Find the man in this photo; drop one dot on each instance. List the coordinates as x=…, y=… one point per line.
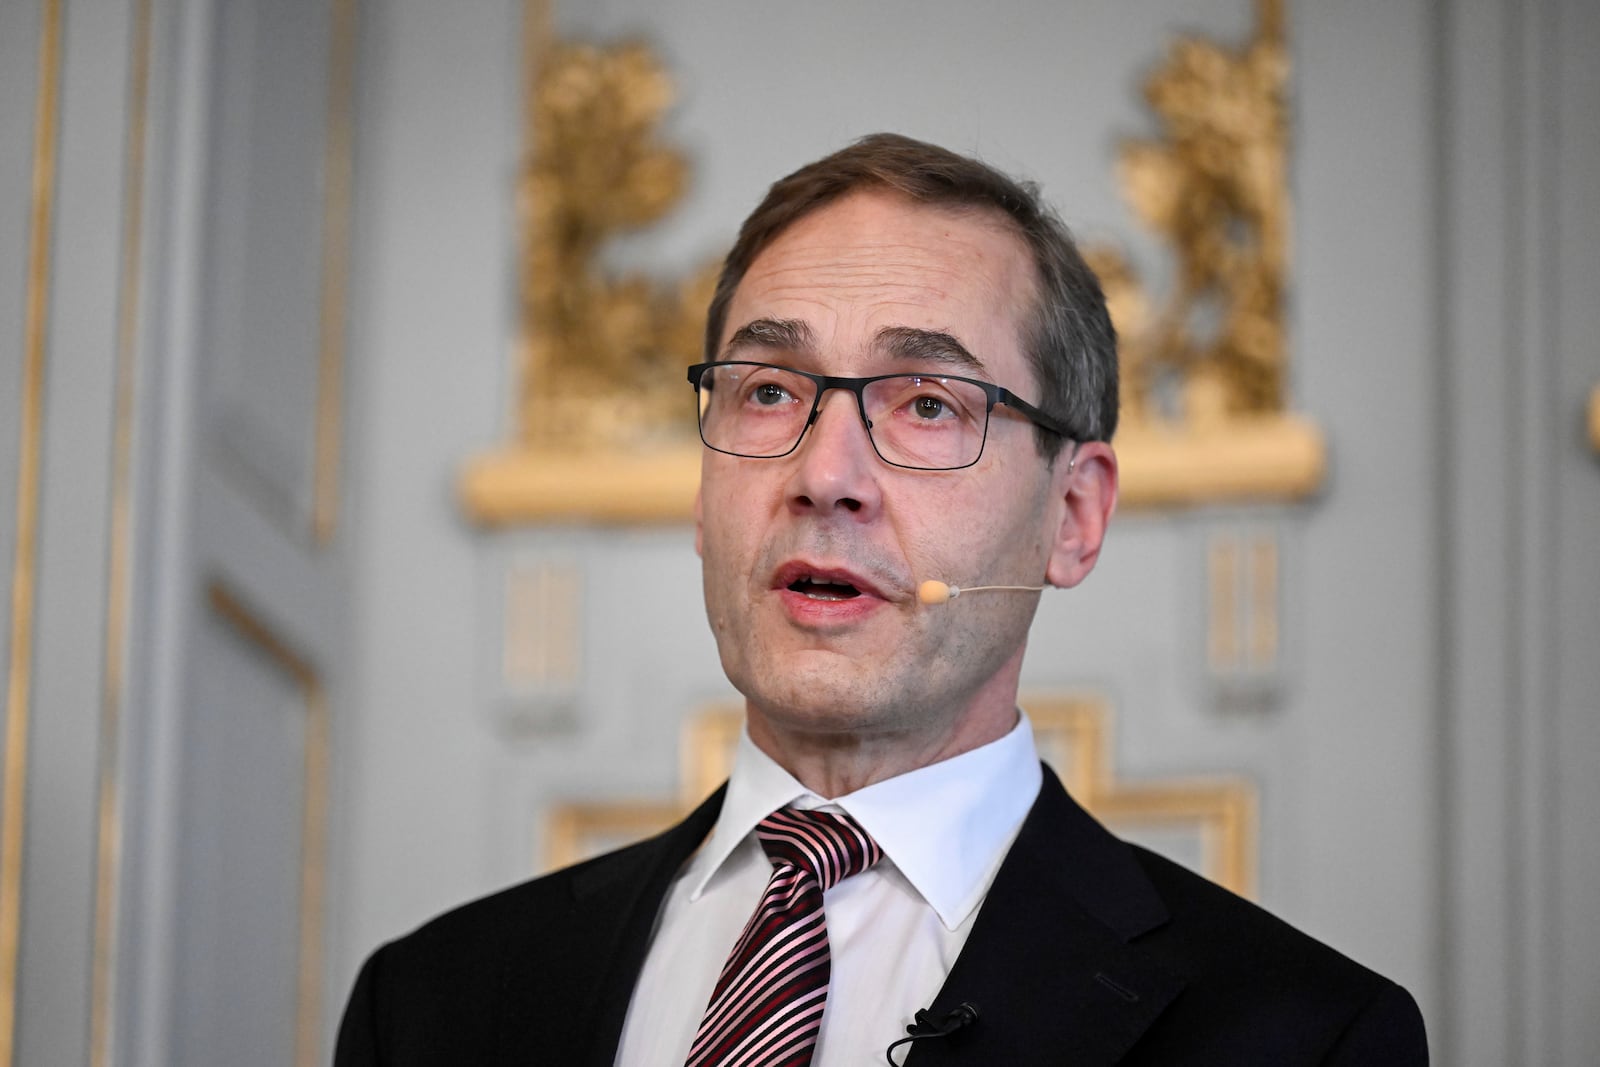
x=909, y=392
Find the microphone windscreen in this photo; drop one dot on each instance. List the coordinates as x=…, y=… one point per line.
x=933, y=591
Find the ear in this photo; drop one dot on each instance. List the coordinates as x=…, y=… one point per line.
x=699, y=532
x=1087, y=488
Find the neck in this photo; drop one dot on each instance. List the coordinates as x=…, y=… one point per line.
x=836, y=763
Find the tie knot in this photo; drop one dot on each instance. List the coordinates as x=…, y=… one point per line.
x=831, y=847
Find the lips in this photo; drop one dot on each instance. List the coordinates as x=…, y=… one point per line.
x=823, y=583
x=823, y=590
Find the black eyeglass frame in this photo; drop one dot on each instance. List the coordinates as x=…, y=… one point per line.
x=996, y=394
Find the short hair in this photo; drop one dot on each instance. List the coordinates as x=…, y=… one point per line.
x=1068, y=337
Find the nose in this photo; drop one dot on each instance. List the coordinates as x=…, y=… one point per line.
x=836, y=469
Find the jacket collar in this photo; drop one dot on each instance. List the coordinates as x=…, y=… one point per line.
x=1051, y=964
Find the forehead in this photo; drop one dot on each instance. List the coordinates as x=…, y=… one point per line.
x=875, y=260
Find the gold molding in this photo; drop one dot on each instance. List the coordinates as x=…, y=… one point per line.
x=1073, y=734
x=517, y=485
x=13, y=824
x=108, y=847
x=314, y=817
x=1265, y=458
x=573, y=829
x=1594, y=418
x=705, y=750
x=1225, y=811
x=337, y=165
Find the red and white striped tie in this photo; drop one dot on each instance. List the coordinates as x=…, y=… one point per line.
x=767, y=1005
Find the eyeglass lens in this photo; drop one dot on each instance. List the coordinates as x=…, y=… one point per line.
x=914, y=420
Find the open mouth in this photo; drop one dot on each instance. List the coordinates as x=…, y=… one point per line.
x=820, y=589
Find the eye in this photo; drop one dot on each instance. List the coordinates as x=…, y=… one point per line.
x=768, y=394
x=929, y=400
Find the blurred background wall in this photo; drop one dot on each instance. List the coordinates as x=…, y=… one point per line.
x=258, y=308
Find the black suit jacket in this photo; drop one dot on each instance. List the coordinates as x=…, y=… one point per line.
x=1087, y=951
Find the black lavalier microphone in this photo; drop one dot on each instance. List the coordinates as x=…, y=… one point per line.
x=923, y=1025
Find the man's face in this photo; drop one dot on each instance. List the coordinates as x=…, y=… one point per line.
x=812, y=560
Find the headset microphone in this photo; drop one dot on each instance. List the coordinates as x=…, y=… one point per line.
x=933, y=591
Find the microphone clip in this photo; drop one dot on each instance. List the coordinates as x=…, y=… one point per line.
x=923, y=1025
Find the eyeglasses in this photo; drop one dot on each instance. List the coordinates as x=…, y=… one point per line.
x=921, y=421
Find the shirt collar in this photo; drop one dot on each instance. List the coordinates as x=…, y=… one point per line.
x=946, y=826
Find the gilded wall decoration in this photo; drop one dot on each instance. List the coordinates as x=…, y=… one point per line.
x=604, y=354
x=604, y=428
x=1205, y=364
x=1213, y=189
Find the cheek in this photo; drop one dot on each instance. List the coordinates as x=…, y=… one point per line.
x=728, y=539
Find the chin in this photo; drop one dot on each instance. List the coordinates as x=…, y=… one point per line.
x=827, y=699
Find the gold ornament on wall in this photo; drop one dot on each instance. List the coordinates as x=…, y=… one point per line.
x=1213, y=189
x=604, y=426
x=1205, y=365
x=604, y=354
x=604, y=420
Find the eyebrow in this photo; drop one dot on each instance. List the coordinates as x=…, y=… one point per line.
x=899, y=342
x=928, y=346
x=787, y=335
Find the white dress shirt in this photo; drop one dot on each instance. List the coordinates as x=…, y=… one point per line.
x=895, y=930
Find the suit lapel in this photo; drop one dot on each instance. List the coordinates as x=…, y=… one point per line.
x=1050, y=963
x=616, y=898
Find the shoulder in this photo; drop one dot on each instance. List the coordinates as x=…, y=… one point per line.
x=1247, y=971
x=420, y=996
x=531, y=957
x=481, y=929
x=551, y=915
x=564, y=909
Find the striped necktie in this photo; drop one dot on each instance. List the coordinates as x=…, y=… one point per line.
x=767, y=1005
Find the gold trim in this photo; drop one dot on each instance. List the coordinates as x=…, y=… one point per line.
x=1594, y=418
x=1267, y=458
x=1263, y=458
x=1225, y=810
x=518, y=486
x=23, y=571
x=337, y=155
x=108, y=857
x=1263, y=603
x=1070, y=733
x=1223, y=574
x=573, y=830
x=313, y=830
x=705, y=751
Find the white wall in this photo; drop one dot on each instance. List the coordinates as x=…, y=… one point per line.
x=1424, y=763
